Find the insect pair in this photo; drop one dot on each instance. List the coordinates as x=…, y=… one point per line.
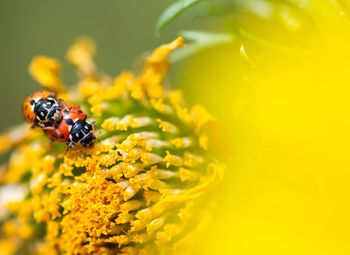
x=61, y=122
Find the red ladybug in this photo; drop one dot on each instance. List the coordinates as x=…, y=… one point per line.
x=72, y=128
x=41, y=109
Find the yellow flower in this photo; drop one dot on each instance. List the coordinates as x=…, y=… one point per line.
x=143, y=188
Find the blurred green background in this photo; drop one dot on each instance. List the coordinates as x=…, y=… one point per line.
x=123, y=31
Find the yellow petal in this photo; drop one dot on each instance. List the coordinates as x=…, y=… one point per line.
x=81, y=54
x=46, y=71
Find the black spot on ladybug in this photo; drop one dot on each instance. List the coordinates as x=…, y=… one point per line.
x=32, y=102
x=69, y=121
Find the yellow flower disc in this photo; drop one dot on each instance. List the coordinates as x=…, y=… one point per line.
x=142, y=189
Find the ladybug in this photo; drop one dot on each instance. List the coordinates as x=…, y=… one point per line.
x=41, y=109
x=72, y=128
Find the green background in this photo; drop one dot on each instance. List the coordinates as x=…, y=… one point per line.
x=123, y=31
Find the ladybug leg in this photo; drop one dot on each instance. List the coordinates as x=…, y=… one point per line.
x=70, y=145
x=92, y=123
x=47, y=128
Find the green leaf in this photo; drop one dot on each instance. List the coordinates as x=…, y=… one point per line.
x=173, y=11
x=205, y=37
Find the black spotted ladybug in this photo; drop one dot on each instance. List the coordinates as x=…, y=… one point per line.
x=73, y=128
x=41, y=109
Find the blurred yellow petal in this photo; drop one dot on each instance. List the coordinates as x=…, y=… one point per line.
x=81, y=55
x=46, y=71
